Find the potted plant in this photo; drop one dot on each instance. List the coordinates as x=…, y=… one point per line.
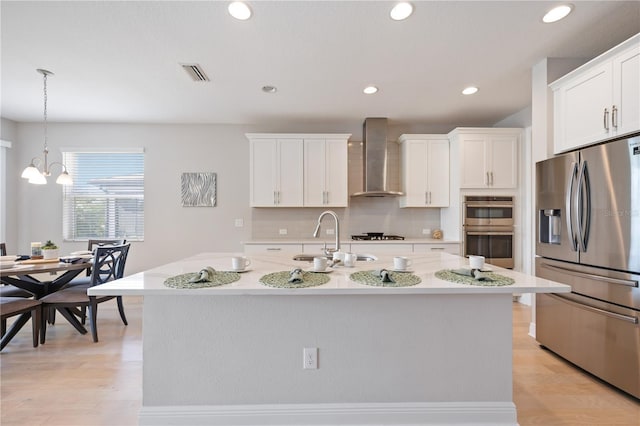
x=50, y=250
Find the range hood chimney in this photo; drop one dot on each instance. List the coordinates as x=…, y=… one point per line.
x=374, y=155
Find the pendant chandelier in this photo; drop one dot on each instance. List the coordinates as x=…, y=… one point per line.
x=33, y=172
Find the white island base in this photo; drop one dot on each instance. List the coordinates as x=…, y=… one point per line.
x=436, y=353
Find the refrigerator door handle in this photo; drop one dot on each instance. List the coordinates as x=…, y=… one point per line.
x=583, y=201
x=633, y=320
x=579, y=274
x=569, y=207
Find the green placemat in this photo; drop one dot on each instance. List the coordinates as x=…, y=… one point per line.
x=219, y=278
x=496, y=279
x=402, y=279
x=281, y=279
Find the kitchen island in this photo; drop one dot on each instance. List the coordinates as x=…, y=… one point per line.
x=434, y=353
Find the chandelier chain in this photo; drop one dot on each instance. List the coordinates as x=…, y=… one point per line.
x=45, y=112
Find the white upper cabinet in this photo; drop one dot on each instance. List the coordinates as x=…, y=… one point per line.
x=276, y=172
x=599, y=100
x=424, y=170
x=488, y=157
x=298, y=170
x=325, y=172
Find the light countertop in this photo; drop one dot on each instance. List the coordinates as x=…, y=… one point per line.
x=424, y=266
x=330, y=241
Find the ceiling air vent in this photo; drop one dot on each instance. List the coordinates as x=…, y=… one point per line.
x=196, y=73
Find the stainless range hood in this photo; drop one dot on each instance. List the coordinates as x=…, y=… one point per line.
x=374, y=155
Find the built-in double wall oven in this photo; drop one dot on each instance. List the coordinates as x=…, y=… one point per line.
x=488, y=228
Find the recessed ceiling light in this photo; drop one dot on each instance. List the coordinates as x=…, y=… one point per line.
x=557, y=13
x=269, y=89
x=370, y=90
x=470, y=90
x=239, y=10
x=401, y=11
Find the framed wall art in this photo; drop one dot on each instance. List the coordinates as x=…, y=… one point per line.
x=198, y=189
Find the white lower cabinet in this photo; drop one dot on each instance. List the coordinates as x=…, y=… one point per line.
x=452, y=248
x=273, y=248
x=381, y=248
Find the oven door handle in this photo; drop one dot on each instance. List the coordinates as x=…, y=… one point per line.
x=488, y=206
x=488, y=233
x=632, y=320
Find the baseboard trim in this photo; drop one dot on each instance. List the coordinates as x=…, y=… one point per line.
x=370, y=414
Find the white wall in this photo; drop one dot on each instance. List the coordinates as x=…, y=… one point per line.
x=9, y=169
x=34, y=213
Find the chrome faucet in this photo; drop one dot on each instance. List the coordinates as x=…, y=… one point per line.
x=316, y=233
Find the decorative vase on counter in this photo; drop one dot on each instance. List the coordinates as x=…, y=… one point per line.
x=49, y=250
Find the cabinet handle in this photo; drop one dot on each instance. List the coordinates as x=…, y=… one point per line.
x=487, y=178
x=327, y=192
x=436, y=248
x=430, y=197
x=426, y=197
x=273, y=249
x=275, y=201
x=614, y=117
x=491, y=178
x=606, y=119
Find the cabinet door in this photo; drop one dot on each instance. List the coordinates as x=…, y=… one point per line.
x=504, y=162
x=474, y=162
x=263, y=171
x=438, y=173
x=437, y=247
x=579, y=108
x=272, y=248
x=314, y=172
x=626, y=91
x=290, y=173
x=414, y=173
x=336, y=173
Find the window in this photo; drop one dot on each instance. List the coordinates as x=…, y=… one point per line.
x=106, y=199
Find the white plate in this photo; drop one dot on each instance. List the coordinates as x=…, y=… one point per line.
x=326, y=271
x=6, y=264
x=80, y=253
x=8, y=258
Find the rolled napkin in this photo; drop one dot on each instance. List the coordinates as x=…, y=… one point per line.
x=204, y=275
x=384, y=274
x=474, y=273
x=295, y=276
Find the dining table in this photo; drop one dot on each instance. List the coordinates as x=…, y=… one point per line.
x=52, y=276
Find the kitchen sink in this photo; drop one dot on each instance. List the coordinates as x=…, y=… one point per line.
x=305, y=257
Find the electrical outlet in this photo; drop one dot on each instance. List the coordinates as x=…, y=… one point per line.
x=426, y=231
x=330, y=232
x=239, y=223
x=310, y=358
x=283, y=231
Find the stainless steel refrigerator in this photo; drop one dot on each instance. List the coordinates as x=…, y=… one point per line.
x=588, y=236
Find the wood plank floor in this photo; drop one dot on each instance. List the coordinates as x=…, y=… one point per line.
x=72, y=381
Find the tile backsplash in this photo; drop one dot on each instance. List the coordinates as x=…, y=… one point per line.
x=363, y=214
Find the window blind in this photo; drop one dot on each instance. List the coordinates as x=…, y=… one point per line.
x=106, y=199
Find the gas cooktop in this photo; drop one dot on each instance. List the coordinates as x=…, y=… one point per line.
x=376, y=236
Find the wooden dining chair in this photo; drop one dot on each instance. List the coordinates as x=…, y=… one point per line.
x=108, y=264
x=12, y=306
x=85, y=280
